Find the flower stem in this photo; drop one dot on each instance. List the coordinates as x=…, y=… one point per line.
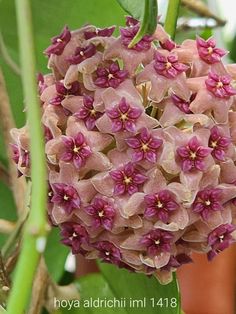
x=154, y=112
x=171, y=17
x=7, y=123
x=34, y=234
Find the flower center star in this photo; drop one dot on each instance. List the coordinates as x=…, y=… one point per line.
x=127, y=180
x=159, y=204
x=76, y=149
x=214, y=144
x=144, y=147
x=66, y=197
x=208, y=201
x=93, y=112
x=210, y=50
x=219, y=84
x=157, y=242
x=123, y=117
x=221, y=237
x=101, y=213
x=74, y=235
x=168, y=65
x=193, y=155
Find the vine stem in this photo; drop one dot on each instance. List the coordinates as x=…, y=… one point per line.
x=6, y=56
x=171, y=17
x=34, y=235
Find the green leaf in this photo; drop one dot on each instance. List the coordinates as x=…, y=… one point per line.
x=8, y=208
x=145, y=12
x=55, y=255
x=93, y=287
x=127, y=293
x=140, y=287
x=133, y=7
x=3, y=157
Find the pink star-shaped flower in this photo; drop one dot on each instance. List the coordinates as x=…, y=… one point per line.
x=201, y=55
x=165, y=72
x=59, y=63
x=186, y=151
x=127, y=179
x=219, y=239
x=220, y=143
x=75, y=236
x=100, y=32
x=123, y=115
x=142, y=52
x=102, y=213
x=145, y=146
x=215, y=97
x=59, y=42
x=79, y=146
x=192, y=155
x=68, y=193
x=208, y=51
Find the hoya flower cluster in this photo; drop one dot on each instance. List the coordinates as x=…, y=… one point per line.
x=139, y=145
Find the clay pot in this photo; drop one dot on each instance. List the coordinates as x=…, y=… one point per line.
x=209, y=287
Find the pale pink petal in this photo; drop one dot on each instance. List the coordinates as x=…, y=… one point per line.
x=210, y=178
x=117, y=157
x=54, y=148
x=135, y=205
x=86, y=190
x=94, y=139
x=73, y=104
x=164, y=277
x=103, y=183
x=171, y=115
x=130, y=57
x=132, y=243
x=131, y=257
x=97, y=161
x=182, y=192
x=191, y=180
x=155, y=183
x=228, y=171
x=167, y=159
x=59, y=215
